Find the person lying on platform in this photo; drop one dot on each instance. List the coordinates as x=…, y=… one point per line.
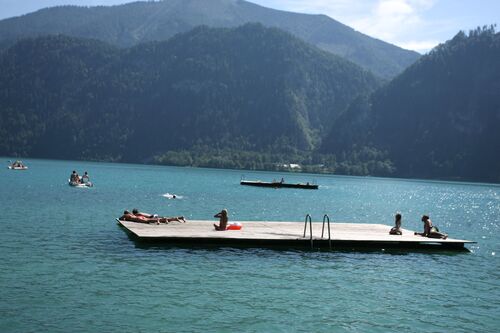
x=430, y=230
x=222, y=215
x=136, y=212
x=148, y=218
x=396, y=230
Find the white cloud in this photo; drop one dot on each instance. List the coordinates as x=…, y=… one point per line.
x=395, y=21
x=400, y=22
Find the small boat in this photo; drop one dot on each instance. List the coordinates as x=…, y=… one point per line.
x=17, y=165
x=22, y=167
x=281, y=184
x=78, y=184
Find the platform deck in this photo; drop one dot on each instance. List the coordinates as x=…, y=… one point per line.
x=288, y=234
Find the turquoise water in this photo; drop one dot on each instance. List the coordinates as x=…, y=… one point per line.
x=67, y=267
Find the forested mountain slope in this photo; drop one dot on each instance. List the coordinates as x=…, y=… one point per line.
x=438, y=119
x=249, y=89
x=138, y=22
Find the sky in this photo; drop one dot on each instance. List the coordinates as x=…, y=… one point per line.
x=412, y=24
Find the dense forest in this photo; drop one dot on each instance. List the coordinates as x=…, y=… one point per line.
x=251, y=97
x=438, y=119
x=138, y=22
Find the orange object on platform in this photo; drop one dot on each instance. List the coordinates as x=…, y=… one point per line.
x=234, y=227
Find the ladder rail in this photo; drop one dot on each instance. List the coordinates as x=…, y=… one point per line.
x=326, y=219
x=308, y=219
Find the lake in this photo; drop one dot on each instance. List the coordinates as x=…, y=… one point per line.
x=67, y=266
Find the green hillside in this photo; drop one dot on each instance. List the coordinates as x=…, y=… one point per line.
x=138, y=22
x=251, y=88
x=438, y=119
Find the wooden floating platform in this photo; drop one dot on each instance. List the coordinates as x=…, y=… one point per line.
x=259, y=183
x=286, y=235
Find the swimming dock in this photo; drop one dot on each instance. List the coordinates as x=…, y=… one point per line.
x=287, y=235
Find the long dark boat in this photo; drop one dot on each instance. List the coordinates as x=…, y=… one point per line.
x=279, y=184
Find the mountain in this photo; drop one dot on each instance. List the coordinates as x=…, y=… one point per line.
x=249, y=88
x=439, y=119
x=134, y=23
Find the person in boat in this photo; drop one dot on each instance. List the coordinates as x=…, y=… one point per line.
x=396, y=230
x=74, y=178
x=136, y=212
x=85, y=178
x=222, y=215
x=430, y=230
x=18, y=164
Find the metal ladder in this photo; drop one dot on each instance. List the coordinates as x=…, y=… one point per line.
x=326, y=219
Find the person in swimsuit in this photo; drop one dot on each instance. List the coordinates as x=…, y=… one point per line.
x=141, y=217
x=128, y=216
x=222, y=215
x=430, y=230
x=396, y=230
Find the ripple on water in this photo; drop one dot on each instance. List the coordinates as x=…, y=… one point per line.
x=66, y=266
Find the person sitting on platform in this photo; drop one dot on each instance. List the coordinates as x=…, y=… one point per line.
x=430, y=230
x=222, y=215
x=396, y=230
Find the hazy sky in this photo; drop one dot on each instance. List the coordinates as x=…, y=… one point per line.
x=413, y=24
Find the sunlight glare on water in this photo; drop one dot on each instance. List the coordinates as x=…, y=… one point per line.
x=67, y=267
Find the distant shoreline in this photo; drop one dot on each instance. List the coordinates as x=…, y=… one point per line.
x=296, y=172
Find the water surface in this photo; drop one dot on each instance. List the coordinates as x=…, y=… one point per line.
x=67, y=267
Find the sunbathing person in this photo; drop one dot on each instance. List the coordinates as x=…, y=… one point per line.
x=222, y=215
x=136, y=212
x=140, y=217
x=430, y=230
x=128, y=216
x=396, y=230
